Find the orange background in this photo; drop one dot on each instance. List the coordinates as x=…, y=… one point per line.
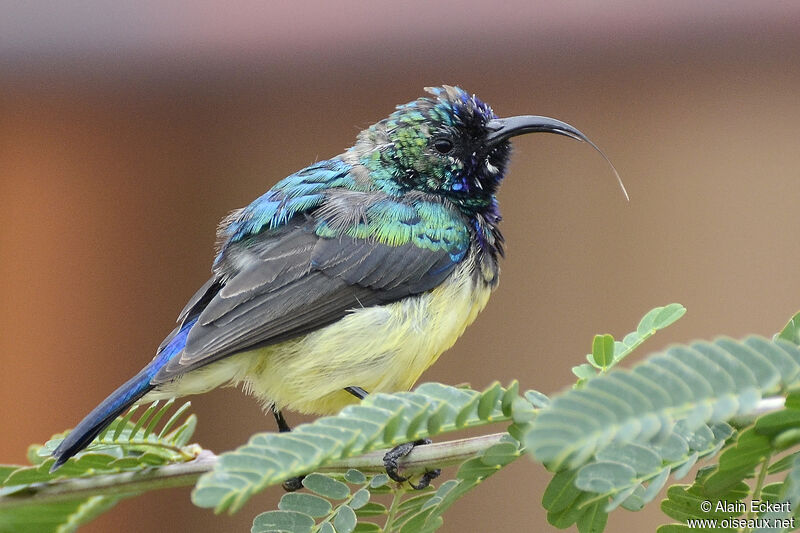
x=126, y=135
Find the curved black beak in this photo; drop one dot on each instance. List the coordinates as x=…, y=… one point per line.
x=502, y=129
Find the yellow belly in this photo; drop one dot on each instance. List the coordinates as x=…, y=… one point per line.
x=380, y=349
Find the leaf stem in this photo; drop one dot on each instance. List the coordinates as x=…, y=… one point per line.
x=762, y=476
x=421, y=457
x=143, y=443
x=397, y=495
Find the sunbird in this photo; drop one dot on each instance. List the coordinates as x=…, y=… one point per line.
x=350, y=276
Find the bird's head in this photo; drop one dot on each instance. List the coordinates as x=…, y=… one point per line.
x=449, y=144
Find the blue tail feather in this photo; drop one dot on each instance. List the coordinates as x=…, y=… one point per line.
x=118, y=401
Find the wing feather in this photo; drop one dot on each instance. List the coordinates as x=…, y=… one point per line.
x=295, y=281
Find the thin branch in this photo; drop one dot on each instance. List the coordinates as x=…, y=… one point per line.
x=117, y=485
x=186, y=474
x=434, y=455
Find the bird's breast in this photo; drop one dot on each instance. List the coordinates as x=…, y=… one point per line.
x=380, y=349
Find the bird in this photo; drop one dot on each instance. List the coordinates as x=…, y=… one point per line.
x=348, y=277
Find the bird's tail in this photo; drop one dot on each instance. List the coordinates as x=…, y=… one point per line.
x=118, y=401
x=101, y=416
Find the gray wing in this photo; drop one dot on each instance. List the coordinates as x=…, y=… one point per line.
x=293, y=282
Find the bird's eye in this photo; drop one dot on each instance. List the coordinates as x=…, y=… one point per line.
x=443, y=145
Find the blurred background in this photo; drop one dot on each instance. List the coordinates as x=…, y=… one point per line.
x=128, y=130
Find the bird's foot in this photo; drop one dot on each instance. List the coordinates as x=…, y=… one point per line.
x=293, y=484
x=397, y=453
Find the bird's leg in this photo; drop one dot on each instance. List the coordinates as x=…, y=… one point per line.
x=358, y=392
x=295, y=483
x=283, y=427
x=398, y=452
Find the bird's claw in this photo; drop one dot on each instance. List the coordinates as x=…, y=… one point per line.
x=426, y=479
x=391, y=458
x=397, y=453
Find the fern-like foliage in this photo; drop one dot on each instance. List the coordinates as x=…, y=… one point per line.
x=379, y=421
x=618, y=438
x=607, y=352
x=333, y=507
x=751, y=456
x=62, y=517
x=128, y=444
x=699, y=383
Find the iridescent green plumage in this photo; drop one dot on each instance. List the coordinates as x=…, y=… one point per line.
x=410, y=191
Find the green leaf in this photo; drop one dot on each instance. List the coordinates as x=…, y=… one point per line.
x=414, y=503
x=783, y=427
x=656, y=319
x=773, y=424
x=120, y=424
x=791, y=491
x=142, y=420
x=500, y=454
x=345, y=520
x=151, y=425
x=783, y=464
x=174, y=419
x=687, y=465
x=791, y=331
x=416, y=522
x=593, y=519
x=488, y=402
x=367, y=527
x=584, y=371
x=660, y=318
x=326, y=486
x=602, y=351
x=305, y=503
x=378, y=481
x=571, y=514
x=640, y=459
x=372, y=509
x=522, y=411
x=561, y=492
x=655, y=485
x=282, y=521
x=55, y=517
x=604, y=477
x=6, y=470
x=355, y=477
x=672, y=448
x=360, y=499
x=537, y=399
x=511, y=393
x=632, y=500
x=793, y=400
